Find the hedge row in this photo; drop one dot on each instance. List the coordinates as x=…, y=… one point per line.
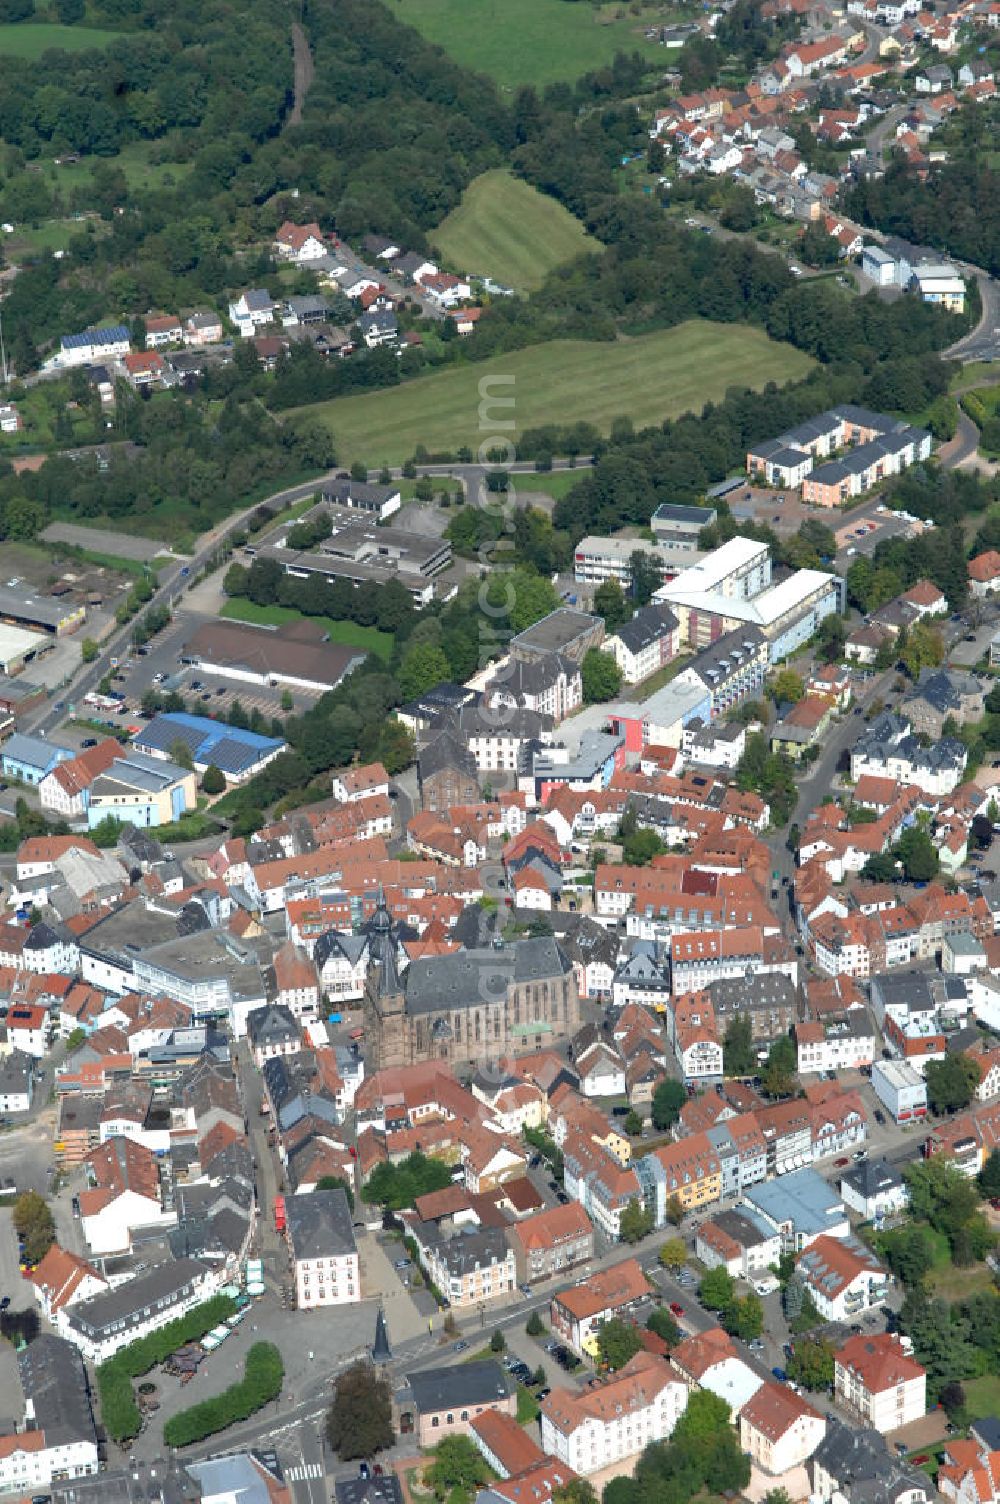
x=119, y=1410
x=261, y=1382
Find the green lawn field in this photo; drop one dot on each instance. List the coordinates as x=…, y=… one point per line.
x=507, y=230
x=349, y=633
x=648, y=378
x=29, y=39
x=527, y=41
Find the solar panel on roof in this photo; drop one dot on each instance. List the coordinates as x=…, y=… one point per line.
x=113, y=334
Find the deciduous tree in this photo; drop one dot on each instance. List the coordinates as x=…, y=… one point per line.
x=359, y=1422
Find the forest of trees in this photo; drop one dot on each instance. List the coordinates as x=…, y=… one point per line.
x=956, y=205
x=392, y=132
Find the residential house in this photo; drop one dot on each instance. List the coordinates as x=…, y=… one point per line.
x=299, y=243
x=779, y=1430
x=711, y=1360
x=878, y=1378
x=252, y=310
x=202, y=328
x=551, y=1242
x=984, y=573
x=17, y=1081
x=57, y=1439
x=642, y=645
x=577, y=1312
x=738, y=1241
x=874, y=1189
x=273, y=1030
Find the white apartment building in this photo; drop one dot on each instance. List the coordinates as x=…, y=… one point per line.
x=697, y=959
x=842, y=1277
x=616, y=1418
x=598, y=559
x=102, y=1325
x=878, y=1378
x=354, y=785
x=843, y=1043
x=320, y=1234
x=715, y=744
x=28, y=1460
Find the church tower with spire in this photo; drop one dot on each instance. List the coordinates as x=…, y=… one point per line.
x=385, y=1002
x=381, y=1351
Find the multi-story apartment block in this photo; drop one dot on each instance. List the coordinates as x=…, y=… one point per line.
x=689, y=1169
x=842, y=1277
x=469, y=1264
x=109, y=1321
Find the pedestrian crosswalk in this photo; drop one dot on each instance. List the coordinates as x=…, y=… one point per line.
x=300, y=1474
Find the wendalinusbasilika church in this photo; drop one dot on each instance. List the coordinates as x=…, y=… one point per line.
x=466, y=1007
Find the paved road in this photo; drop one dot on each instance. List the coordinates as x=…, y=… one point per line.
x=963, y=449
x=982, y=342
x=172, y=583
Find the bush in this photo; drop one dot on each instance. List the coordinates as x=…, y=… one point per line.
x=213, y=780
x=262, y=1379
x=118, y=1407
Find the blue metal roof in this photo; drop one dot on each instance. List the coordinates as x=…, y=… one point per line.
x=230, y=748
x=111, y=335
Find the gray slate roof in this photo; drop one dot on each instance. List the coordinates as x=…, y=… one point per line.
x=466, y=978
x=457, y=1388
x=320, y=1225
x=53, y=1377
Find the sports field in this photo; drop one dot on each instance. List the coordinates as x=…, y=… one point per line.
x=652, y=377
x=507, y=230
x=527, y=41
x=29, y=39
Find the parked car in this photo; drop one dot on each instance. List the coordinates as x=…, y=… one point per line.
x=676, y=1309
x=780, y=1375
x=364, y=1471
x=840, y=1163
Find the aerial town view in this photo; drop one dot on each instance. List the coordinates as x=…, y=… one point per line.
x=500, y=752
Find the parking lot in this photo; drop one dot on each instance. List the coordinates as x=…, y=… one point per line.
x=13, y=1285
x=862, y=530
x=157, y=666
